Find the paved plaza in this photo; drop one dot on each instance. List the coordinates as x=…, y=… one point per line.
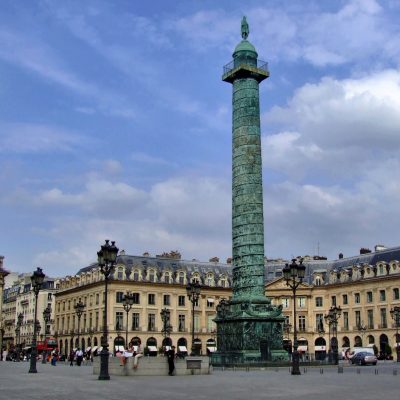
x=65, y=382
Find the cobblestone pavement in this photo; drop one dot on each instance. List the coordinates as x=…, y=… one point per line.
x=76, y=383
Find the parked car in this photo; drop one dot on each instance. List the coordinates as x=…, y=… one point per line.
x=364, y=358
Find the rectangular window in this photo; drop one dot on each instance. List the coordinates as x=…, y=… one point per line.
x=151, y=324
x=49, y=296
x=345, y=299
x=369, y=297
x=151, y=299
x=135, y=321
x=210, y=303
x=181, y=322
x=318, y=302
x=383, y=318
x=302, y=302
x=136, y=298
x=211, y=327
x=97, y=299
x=358, y=318
x=382, y=295
x=302, y=323
x=319, y=322
x=396, y=294
x=357, y=298
x=286, y=302
x=333, y=300
x=197, y=323
x=119, y=320
x=370, y=314
x=167, y=300
x=97, y=320
x=119, y=297
x=181, y=301
x=346, y=321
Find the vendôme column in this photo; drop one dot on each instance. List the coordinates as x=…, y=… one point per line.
x=245, y=73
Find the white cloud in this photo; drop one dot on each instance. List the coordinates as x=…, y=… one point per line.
x=36, y=138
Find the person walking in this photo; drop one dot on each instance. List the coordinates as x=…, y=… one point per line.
x=79, y=357
x=71, y=358
x=171, y=360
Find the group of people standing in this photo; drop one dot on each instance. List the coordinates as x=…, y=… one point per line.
x=137, y=352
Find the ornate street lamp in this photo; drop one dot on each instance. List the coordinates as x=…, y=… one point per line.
x=193, y=290
x=165, y=317
x=395, y=313
x=127, y=303
x=294, y=275
x=46, y=318
x=79, y=309
x=106, y=259
x=37, y=280
x=332, y=318
x=20, y=319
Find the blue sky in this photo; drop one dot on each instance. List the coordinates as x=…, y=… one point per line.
x=114, y=123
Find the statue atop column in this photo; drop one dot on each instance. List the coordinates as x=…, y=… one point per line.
x=245, y=28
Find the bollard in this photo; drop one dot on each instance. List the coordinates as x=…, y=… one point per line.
x=340, y=370
x=305, y=370
x=395, y=372
x=358, y=371
x=321, y=370
x=376, y=371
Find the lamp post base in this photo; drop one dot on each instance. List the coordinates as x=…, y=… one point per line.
x=295, y=363
x=104, y=356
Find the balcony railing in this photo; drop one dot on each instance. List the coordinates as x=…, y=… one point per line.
x=263, y=65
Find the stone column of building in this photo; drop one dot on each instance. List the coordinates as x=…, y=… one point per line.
x=251, y=328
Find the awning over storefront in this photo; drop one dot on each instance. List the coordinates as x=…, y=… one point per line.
x=119, y=348
x=94, y=348
x=302, y=348
x=152, y=348
x=320, y=348
x=182, y=349
x=88, y=349
x=211, y=349
x=210, y=300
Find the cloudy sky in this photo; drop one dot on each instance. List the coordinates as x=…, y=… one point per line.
x=114, y=123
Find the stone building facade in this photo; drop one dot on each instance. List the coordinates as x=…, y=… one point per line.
x=156, y=283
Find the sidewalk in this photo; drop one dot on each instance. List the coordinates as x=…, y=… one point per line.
x=65, y=382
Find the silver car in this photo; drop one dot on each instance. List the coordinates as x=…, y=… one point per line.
x=364, y=358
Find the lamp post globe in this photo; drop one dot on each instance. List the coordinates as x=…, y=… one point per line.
x=106, y=259
x=294, y=275
x=37, y=280
x=193, y=290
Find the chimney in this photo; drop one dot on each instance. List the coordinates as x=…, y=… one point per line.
x=229, y=260
x=214, y=259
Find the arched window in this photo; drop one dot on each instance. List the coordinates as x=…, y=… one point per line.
x=136, y=275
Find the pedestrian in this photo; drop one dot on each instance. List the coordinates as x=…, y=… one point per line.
x=54, y=358
x=79, y=357
x=139, y=353
x=71, y=357
x=171, y=360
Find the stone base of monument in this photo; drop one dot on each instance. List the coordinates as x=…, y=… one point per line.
x=248, y=358
x=156, y=366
